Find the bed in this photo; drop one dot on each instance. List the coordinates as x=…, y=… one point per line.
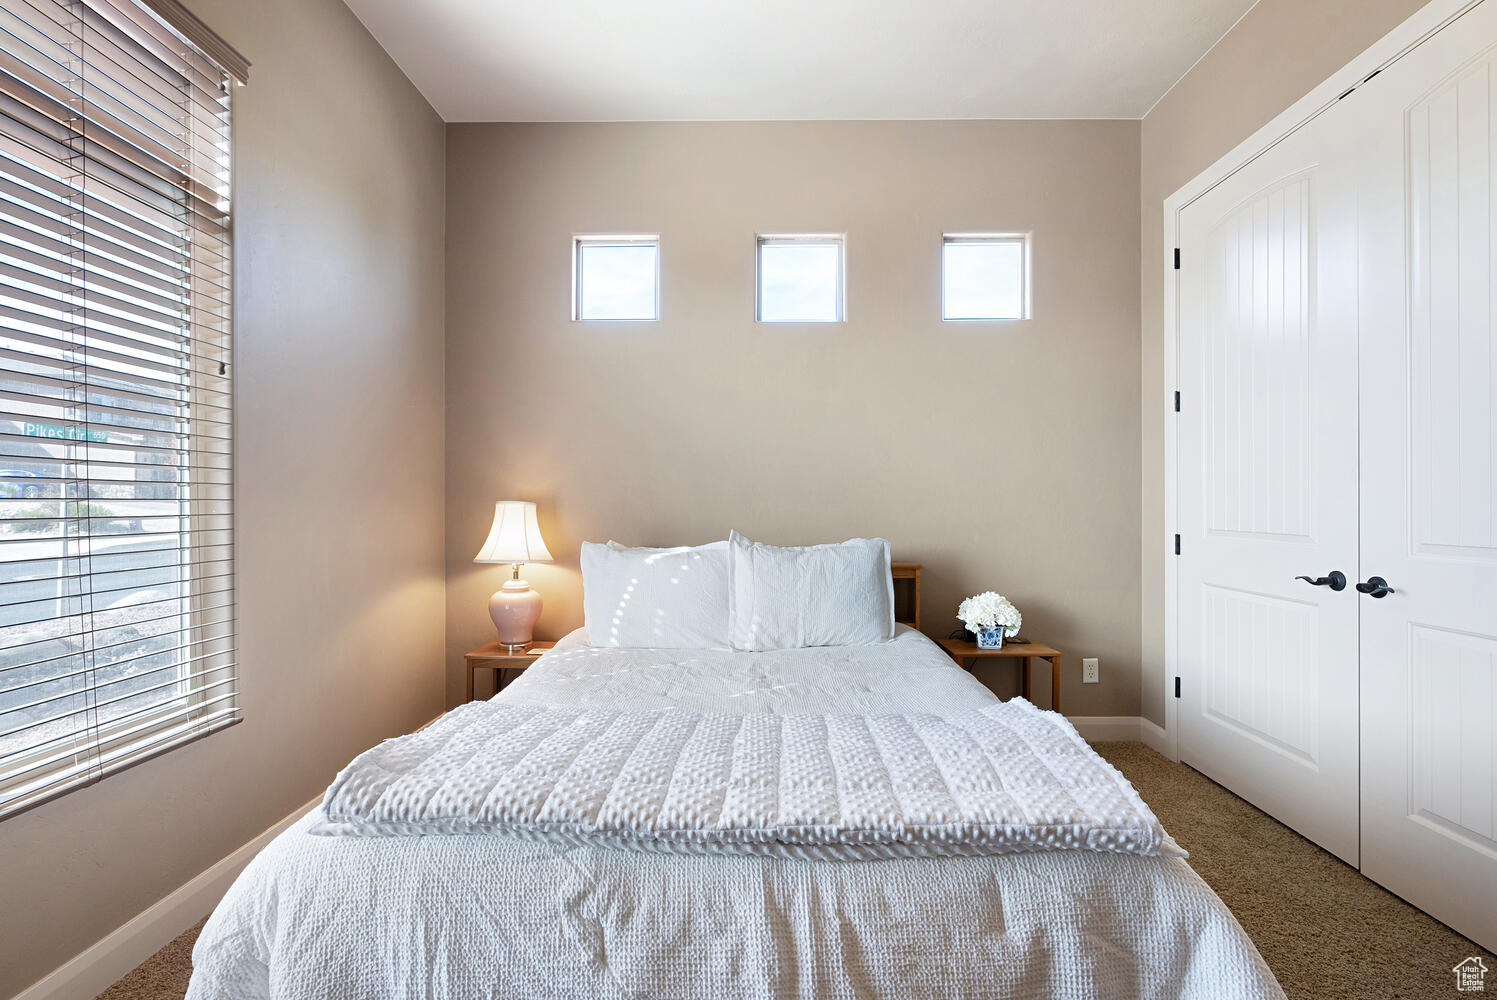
x=486, y=915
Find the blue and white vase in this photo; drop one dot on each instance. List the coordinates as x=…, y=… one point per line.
x=990, y=638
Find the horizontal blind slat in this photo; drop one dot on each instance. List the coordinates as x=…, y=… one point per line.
x=168, y=554
x=210, y=712
x=15, y=400
x=63, y=284
x=206, y=569
x=224, y=604
x=100, y=450
x=89, y=250
x=116, y=699
x=135, y=213
x=109, y=54
x=31, y=316
x=121, y=189
x=57, y=678
x=102, y=35
x=44, y=75
x=99, y=376
x=68, y=209
x=83, y=344
x=63, y=380
x=161, y=43
x=112, y=537
x=15, y=616
x=51, y=61
x=108, y=686
x=202, y=570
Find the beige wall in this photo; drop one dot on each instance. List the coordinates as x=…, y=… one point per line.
x=1278, y=53
x=1000, y=456
x=339, y=390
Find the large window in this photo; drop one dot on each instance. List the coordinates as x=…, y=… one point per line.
x=985, y=277
x=800, y=279
x=616, y=278
x=116, y=544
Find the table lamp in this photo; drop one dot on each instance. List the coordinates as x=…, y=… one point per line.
x=515, y=538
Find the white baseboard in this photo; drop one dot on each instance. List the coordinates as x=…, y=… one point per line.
x=1133, y=728
x=97, y=967
x=1155, y=738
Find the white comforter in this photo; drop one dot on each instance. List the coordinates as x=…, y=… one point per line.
x=1002, y=779
x=495, y=916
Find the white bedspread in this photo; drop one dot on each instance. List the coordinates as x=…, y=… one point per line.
x=491, y=916
x=1006, y=778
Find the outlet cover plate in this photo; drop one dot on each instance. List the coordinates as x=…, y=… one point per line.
x=1089, y=670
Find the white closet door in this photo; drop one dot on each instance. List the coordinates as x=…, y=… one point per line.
x=1429, y=475
x=1268, y=484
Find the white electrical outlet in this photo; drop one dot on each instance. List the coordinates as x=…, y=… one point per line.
x=1089, y=670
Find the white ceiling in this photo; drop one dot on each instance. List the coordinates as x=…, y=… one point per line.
x=704, y=60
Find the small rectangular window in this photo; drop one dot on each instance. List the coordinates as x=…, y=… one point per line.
x=616, y=278
x=801, y=279
x=985, y=276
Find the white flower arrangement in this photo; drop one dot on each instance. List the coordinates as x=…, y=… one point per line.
x=989, y=610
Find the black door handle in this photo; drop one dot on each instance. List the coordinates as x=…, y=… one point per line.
x=1336, y=581
x=1375, y=586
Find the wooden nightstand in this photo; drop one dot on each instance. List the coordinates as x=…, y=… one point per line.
x=967, y=653
x=906, y=593
x=497, y=657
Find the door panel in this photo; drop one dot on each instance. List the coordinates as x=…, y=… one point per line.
x=1450, y=727
x=1429, y=475
x=1257, y=333
x=1262, y=669
x=1268, y=484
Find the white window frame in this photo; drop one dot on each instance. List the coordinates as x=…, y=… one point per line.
x=794, y=239
x=1025, y=242
x=581, y=240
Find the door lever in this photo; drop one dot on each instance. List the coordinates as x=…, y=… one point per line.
x=1375, y=586
x=1336, y=581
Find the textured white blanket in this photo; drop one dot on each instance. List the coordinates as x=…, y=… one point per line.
x=1003, y=779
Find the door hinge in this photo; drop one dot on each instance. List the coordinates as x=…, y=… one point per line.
x=1177, y=258
x=1177, y=545
x=1353, y=88
x=1177, y=687
x=1177, y=400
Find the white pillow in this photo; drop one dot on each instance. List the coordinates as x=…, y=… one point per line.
x=813, y=595
x=661, y=598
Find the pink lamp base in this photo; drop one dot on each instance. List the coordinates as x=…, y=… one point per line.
x=515, y=608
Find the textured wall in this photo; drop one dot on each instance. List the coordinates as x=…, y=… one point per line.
x=1275, y=55
x=1000, y=456
x=339, y=216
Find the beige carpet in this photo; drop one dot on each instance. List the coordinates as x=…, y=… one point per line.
x=163, y=976
x=1327, y=932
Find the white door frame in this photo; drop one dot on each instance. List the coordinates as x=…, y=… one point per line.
x=1426, y=21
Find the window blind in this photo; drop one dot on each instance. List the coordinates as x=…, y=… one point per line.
x=116, y=540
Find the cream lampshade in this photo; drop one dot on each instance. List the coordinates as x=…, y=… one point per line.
x=515, y=538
